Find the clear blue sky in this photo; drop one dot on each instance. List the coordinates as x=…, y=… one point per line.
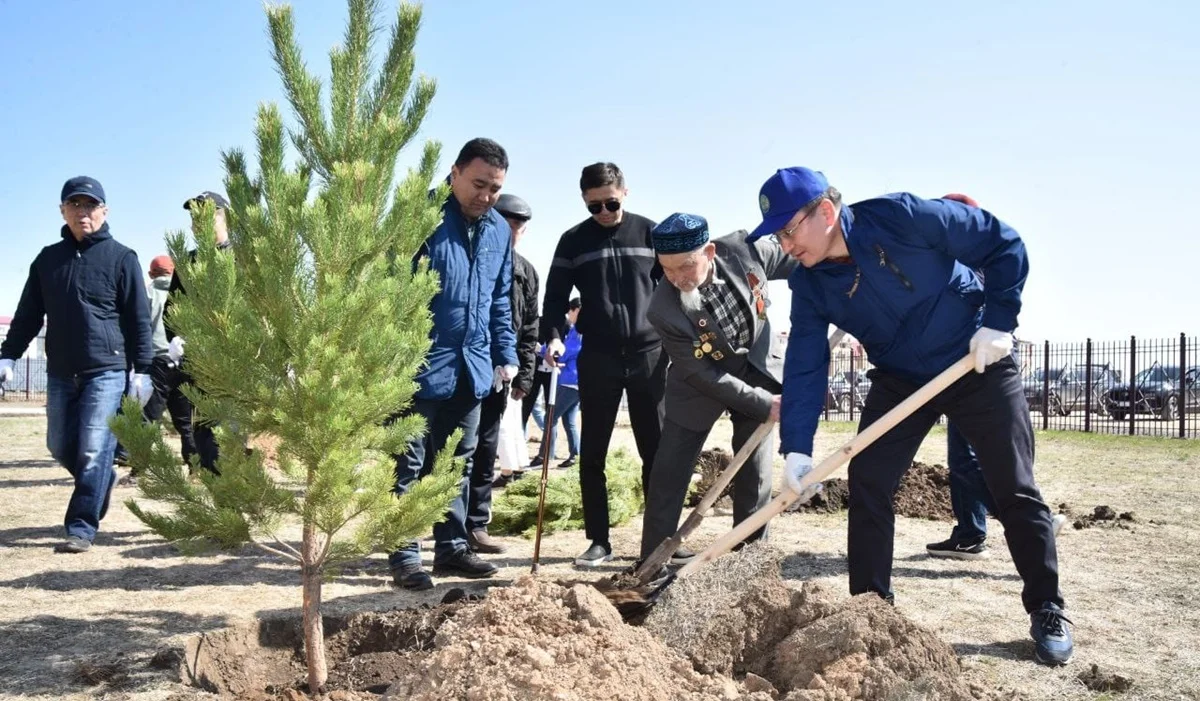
x=1076, y=122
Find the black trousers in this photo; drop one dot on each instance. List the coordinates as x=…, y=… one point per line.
x=483, y=468
x=672, y=473
x=167, y=381
x=541, y=386
x=991, y=412
x=603, y=377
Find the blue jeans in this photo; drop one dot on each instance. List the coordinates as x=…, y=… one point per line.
x=566, y=408
x=77, y=435
x=969, y=495
x=441, y=416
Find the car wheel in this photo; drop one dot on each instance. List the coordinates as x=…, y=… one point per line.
x=1118, y=415
x=844, y=402
x=1170, y=408
x=1055, y=406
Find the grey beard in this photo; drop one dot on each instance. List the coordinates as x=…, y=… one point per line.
x=691, y=301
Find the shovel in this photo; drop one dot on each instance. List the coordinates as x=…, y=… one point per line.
x=627, y=601
x=546, y=457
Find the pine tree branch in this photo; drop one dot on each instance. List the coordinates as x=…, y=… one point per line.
x=280, y=553
x=285, y=546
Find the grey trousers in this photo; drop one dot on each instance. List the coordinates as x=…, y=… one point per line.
x=674, y=462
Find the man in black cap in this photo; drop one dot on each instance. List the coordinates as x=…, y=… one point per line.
x=524, y=300
x=713, y=323
x=201, y=439
x=610, y=259
x=89, y=289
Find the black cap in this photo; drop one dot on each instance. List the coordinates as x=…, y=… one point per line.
x=215, y=197
x=514, y=207
x=82, y=185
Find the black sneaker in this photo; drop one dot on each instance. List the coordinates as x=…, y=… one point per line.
x=74, y=545
x=960, y=550
x=464, y=563
x=1051, y=632
x=682, y=556
x=594, y=556
x=536, y=462
x=569, y=462
x=412, y=577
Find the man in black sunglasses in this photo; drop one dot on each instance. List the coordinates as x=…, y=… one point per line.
x=610, y=259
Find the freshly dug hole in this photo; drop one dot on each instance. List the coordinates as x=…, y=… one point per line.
x=737, y=617
x=924, y=493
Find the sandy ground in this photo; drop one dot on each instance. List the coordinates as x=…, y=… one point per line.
x=1131, y=592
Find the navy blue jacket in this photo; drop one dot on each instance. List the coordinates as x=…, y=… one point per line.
x=472, y=312
x=910, y=296
x=95, y=305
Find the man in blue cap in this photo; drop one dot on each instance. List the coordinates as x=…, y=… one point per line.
x=89, y=289
x=898, y=273
x=713, y=324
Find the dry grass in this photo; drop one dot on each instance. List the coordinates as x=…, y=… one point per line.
x=1131, y=594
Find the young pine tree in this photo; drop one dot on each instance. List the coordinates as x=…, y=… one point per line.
x=312, y=327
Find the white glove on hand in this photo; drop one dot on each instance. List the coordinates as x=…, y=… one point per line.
x=6, y=370
x=497, y=379
x=175, y=350
x=798, y=465
x=989, y=346
x=508, y=372
x=140, y=387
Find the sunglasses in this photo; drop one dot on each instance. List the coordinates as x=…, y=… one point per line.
x=611, y=205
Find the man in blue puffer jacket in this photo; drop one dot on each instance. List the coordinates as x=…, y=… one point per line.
x=89, y=289
x=897, y=272
x=473, y=347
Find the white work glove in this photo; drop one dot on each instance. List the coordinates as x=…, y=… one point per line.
x=140, y=387
x=6, y=370
x=989, y=346
x=175, y=350
x=555, y=349
x=497, y=379
x=797, y=466
x=508, y=373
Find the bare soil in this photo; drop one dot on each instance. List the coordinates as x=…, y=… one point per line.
x=1104, y=516
x=133, y=602
x=711, y=463
x=924, y=493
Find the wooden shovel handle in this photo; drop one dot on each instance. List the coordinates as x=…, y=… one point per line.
x=856, y=445
x=650, y=566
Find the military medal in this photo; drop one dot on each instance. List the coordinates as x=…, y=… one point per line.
x=760, y=300
x=707, y=348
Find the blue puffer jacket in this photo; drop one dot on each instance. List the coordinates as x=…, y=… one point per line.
x=95, y=305
x=909, y=296
x=472, y=315
x=568, y=374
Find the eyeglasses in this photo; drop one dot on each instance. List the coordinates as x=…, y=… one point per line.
x=84, y=206
x=611, y=205
x=787, y=233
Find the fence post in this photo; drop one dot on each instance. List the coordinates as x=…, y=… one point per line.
x=27, y=374
x=1182, y=387
x=1132, y=382
x=853, y=385
x=1087, y=391
x=1046, y=385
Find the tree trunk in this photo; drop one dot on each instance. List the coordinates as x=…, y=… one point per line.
x=314, y=631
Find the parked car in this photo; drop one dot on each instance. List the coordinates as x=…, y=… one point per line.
x=848, y=386
x=1160, y=391
x=1068, y=388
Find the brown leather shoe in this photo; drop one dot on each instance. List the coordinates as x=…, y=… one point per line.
x=481, y=542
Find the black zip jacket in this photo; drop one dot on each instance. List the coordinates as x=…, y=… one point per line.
x=615, y=271
x=524, y=298
x=95, y=305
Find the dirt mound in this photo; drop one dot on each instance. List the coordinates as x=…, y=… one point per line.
x=537, y=640
x=709, y=466
x=924, y=493
x=1097, y=680
x=737, y=617
x=1102, y=515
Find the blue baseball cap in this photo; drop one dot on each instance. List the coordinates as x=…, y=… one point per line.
x=785, y=193
x=82, y=185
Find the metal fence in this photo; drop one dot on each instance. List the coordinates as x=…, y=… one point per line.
x=28, y=383
x=1146, y=387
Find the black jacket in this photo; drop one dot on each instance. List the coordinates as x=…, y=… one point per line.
x=176, y=287
x=97, y=313
x=615, y=271
x=524, y=297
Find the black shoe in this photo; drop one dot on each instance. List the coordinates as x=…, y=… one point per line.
x=960, y=550
x=74, y=545
x=412, y=577
x=569, y=462
x=121, y=459
x=682, y=556
x=536, y=462
x=1051, y=632
x=464, y=563
x=594, y=556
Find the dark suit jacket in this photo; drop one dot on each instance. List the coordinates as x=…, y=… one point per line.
x=700, y=388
